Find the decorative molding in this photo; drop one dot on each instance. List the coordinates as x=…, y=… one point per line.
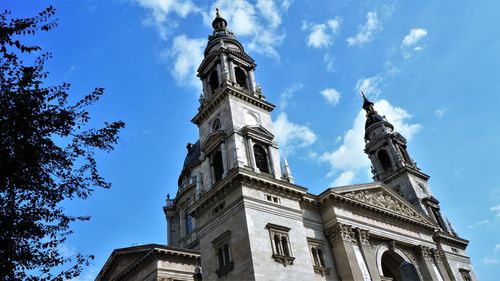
x=321, y=270
x=363, y=235
x=341, y=232
x=382, y=200
x=425, y=252
x=285, y=260
x=223, y=271
x=438, y=255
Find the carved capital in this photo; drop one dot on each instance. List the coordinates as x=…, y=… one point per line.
x=438, y=255
x=341, y=232
x=425, y=253
x=363, y=235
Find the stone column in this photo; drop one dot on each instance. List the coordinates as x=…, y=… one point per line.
x=251, y=155
x=205, y=88
x=219, y=74
x=341, y=237
x=231, y=72
x=225, y=68
x=438, y=258
x=362, y=236
x=199, y=185
x=425, y=263
x=224, y=158
x=251, y=77
x=271, y=163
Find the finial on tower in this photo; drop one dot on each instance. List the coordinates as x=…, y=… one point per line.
x=219, y=23
x=287, y=173
x=367, y=105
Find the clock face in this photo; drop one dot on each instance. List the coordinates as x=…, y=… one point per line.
x=216, y=125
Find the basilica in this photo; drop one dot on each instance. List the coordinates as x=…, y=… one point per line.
x=238, y=215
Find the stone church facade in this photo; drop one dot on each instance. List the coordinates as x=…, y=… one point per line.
x=238, y=215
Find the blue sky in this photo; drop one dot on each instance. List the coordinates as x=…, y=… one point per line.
x=431, y=66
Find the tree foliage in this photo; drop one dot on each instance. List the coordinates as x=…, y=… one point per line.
x=47, y=156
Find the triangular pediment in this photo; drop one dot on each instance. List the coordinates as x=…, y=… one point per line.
x=258, y=132
x=212, y=140
x=384, y=199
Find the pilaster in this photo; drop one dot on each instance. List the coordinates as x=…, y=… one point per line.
x=363, y=239
x=425, y=263
x=342, y=238
x=438, y=258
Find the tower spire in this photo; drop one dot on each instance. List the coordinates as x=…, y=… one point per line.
x=287, y=173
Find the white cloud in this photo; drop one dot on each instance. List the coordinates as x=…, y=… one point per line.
x=479, y=223
x=415, y=35
x=331, y=95
x=367, y=31
x=497, y=247
x=329, y=60
x=187, y=54
x=348, y=160
x=345, y=178
x=490, y=261
x=410, y=41
x=258, y=22
x=160, y=10
x=291, y=136
x=370, y=86
x=440, y=112
x=288, y=93
x=496, y=210
x=321, y=35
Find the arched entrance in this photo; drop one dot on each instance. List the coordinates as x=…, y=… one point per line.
x=395, y=267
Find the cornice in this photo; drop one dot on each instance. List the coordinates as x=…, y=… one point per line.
x=239, y=176
x=223, y=92
x=442, y=237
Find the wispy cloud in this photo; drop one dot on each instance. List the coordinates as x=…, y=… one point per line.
x=292, y=136
x=331, y=95
x=187, y=54
x=370, y=85
x=490, y=260
x=260, y=23
x=411, y=42
x=367, y=31
x=497, y=247
x=321, y=35
x=496, y=210
x=287, y=94
x=348, y=161
x=479, y=223
x=162, y=13
x=440, y=112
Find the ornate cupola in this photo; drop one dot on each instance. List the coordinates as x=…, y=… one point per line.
x=226, y=62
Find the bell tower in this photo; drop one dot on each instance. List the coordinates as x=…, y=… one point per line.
x=392, y=164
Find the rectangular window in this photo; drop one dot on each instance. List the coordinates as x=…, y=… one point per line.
x=465, y=274
x=222, y=250
x=280, y=243
x=273, y=199
x=316, y=248
x=218, y=208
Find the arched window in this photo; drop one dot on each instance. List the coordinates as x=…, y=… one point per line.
x=277, y=244
x=226, y=254
x=321, y=260
x=261, y=158
x=220, y=257
x=315, y=257
x=284, y=244
x=384, y=159
x=241, y=77
x=213, y=81
x=217, y=165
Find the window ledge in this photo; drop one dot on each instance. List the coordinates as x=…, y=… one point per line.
x=285, y=260
x=321, y=270
x=223, y=271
